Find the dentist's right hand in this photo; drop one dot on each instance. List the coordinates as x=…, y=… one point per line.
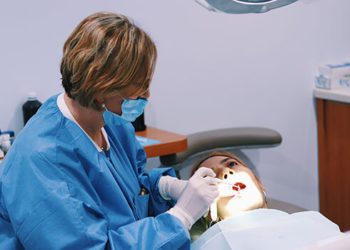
x=200, y=192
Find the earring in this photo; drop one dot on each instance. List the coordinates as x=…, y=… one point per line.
x=103, y=105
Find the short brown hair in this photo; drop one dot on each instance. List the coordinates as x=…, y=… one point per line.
x=105, y=53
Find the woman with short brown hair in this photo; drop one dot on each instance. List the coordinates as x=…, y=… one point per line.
x=74, y=178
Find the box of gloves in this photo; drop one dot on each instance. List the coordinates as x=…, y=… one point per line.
x=333, y=76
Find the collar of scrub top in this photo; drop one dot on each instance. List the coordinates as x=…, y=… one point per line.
x=66, y=113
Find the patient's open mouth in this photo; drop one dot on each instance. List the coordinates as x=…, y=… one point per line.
x=238, y=186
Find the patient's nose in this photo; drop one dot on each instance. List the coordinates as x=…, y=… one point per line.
x=229, y=173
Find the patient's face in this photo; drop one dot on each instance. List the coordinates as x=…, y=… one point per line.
x=242, y=192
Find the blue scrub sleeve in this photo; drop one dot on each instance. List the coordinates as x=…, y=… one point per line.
x=157, y=204
x=64, y=213
x=152, y=233
x=150, y=180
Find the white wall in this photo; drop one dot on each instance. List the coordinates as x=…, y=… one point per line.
x=214, y=70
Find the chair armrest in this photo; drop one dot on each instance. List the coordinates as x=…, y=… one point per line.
x=244, y=137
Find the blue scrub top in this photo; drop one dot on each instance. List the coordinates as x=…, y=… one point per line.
x=58, y=192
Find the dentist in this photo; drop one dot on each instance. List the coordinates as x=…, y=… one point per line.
x=74, y=177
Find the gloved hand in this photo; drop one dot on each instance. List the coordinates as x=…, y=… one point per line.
x=200, y=192
x=170, y=188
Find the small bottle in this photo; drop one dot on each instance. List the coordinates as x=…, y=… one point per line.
x=5, y=142
x=2, y=155
x=11, y=133
x=30, y=107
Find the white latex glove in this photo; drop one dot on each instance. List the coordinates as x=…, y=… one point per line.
x=170, y=188
x=225, y=190
x=200, y=192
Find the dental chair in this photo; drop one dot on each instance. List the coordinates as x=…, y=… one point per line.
x=231, y=139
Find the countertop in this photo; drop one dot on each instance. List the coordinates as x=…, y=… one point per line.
x=338, y=95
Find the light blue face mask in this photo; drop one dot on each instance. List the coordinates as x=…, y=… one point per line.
x=133, y=108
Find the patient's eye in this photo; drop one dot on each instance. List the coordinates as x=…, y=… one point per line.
x=232, y=164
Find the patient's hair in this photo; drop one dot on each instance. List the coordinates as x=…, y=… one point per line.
x=216, y=153
x=105, y=53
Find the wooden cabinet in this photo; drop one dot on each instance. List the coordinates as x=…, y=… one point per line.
x=169, y=142
x=333, y=122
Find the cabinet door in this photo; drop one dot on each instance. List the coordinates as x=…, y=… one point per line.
x=333, y=120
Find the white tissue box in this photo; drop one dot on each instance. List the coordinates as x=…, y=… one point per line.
x=335, y=70
x=332, y=83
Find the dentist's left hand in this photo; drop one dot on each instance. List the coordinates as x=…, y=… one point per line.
x=171, y=188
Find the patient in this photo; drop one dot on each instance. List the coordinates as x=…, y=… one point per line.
x=244, y=226
x=240, y=190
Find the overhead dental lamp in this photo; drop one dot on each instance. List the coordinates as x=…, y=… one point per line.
x=243, y=6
